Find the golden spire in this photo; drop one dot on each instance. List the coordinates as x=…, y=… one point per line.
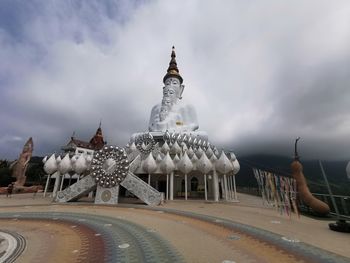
x=173, y=71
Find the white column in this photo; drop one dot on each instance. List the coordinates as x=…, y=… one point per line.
x=234, y=186
x=229, y=187
x=205, y=187
x=172, y=186
x=167, y=187
x=216, y=186
x=62, y=180
x=231, y=183
x=221, y=180
x=227, y=194
x=149, y=179
x=78, y=177
x=185, y=186
x=47, y=184
x=57, y=184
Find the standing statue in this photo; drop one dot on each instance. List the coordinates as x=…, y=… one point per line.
x=172, y=114
x=297, y=172
x=20, y=166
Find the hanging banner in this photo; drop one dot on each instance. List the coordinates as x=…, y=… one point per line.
x=277, y=191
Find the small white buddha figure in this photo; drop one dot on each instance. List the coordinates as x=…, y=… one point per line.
x=172, y=114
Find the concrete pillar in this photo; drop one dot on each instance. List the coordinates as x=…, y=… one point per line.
x=47, y=184
x=226, y=188
x=234, y=187
x=221, y=180
x=185, y=186
x=229, y=187
x=62, y=180
x=172, y=186
x=149, y=179
x=205, y=187
x=70, y=180
x=167, y=187
x=216, y=186
x=57, y=183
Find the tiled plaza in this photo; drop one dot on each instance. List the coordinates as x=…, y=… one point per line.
x=179, y=231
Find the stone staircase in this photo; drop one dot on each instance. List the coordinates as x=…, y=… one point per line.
x=77, y=190
x=142, y=190
x=132, y=183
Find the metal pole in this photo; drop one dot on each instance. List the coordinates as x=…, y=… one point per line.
x=329, y=190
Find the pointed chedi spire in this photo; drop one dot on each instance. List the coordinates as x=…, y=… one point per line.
x=173, y=71
x=97, y=141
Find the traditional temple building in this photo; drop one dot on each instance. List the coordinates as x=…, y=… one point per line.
x=76, y=146
x=74, y=149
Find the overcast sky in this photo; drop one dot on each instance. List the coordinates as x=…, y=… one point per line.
x=259, y=73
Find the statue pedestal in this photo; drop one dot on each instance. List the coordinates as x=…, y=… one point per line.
x=158, y=135
x=107, y=196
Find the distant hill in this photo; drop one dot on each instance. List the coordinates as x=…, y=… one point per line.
x=36, y=159
x=335, y=171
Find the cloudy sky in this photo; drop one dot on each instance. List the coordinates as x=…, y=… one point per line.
x=259, y=73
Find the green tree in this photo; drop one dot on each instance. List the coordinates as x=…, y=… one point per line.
x=5, y=176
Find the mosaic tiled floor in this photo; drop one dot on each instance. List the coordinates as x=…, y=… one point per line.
x=124, y=236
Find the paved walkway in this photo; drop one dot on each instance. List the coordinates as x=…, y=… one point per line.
x=192, y=231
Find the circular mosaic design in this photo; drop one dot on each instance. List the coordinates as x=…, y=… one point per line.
x=145, y=143
x=106, y=195
x=109, y=166
x=60, y=195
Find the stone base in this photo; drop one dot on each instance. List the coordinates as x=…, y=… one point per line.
x=107, y=196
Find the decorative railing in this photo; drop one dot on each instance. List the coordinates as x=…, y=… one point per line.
x=342, y=202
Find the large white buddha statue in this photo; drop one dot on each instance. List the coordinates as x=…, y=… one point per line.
x=172, y=114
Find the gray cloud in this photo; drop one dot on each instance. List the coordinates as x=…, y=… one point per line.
x=259, y=74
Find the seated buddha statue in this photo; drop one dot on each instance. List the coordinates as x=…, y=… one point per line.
x=172, y=114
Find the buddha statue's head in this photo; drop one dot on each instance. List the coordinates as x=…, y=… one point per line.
x=173, y=88
x=172, y=91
